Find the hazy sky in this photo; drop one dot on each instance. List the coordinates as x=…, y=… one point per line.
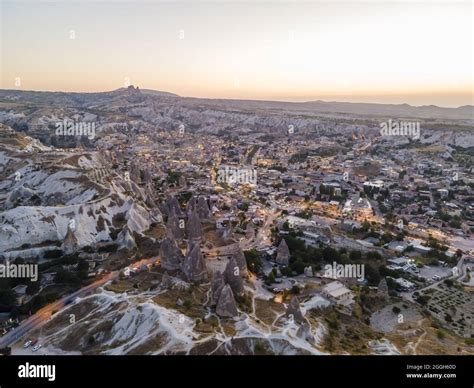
x=418, y=53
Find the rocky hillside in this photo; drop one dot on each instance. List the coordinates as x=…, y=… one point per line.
x=37, y=114
x=44, y=192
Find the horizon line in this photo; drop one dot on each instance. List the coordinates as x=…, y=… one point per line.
x=291, y=101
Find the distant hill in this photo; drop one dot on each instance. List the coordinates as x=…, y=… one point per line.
x=399, y=110
x=77, y=98
x=351, y=108
x=134, y=94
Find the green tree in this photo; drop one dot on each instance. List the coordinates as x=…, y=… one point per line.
x=271, y=278
x=254, y=262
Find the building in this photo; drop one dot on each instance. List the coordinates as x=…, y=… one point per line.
x=397, y=246
x=404, y=285
x=339, y=294
x=443, y=193
x=358, y=207
x=314, y=239
x=20, y=292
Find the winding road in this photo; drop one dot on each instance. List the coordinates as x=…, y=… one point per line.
x=44, y=314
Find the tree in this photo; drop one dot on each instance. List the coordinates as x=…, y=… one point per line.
x=67, y=277
x=365, y=226
x=449, y=282
x=372, y=275
x=400, y=236
x=295, y=290
x=173, y=177
x=330, y=255
x=322, y=189
x=82, y=265
x=374, y=256
x=270, y=278
x=7, y=299
x=33, y=287
x=355, y=255
x=423, y=299
x=244, y=206
x=298, y=266
x=286, y=271
x=254, y=262
x=391, y=284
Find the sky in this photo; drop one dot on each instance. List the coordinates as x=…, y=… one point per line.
x=420, y=53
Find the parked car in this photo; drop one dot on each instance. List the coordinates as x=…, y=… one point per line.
x=27, y=343
x=37, y=347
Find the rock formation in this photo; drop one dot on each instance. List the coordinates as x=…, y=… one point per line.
x=191, y=205
x=125, y=239
x=20, y=196
x=147, y=176
x=283, y=253
x=171, y=282
x=193, y=227
x=293, y=310
x=382, y=288
x=241, y=262
x=249, y=231
x=233, y=278
x=194, y=265
x=155, y=216
x=172, y=206
x=226, y=306
x=217, y=285
x=203, y=208
x=225, y=232
x=170, y=255
x=182, y=181
x=308, y=271
x=304, y=332
x=135, y=173
x=173, y=229
x=166, y=281
x=69, y=244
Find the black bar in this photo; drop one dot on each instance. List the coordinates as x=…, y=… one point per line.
x=364, y=371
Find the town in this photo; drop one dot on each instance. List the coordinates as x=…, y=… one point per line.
x=234, y=230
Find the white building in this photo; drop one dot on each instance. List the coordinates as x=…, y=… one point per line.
x=341, y=295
